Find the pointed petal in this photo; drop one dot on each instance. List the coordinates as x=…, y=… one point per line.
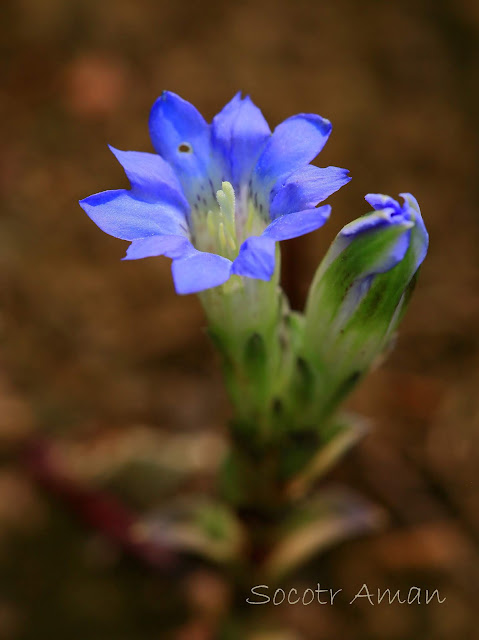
x=120, y=214
x=305, y=188
x=380, y=201
x=256, y=258
x=294, y=143
x=169, y=246
x=151, y=177
x=181, y=136
x=381, y=219
x=239, y=133
x=199, y=271
x=420, y=236
x=395, y=254
x=297, y=224
x=174, y=121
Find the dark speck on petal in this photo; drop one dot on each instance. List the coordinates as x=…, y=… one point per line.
x=185, y=147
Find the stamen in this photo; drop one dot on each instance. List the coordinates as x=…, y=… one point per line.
x=250, y=219
x=227, y=201
x=210, y=224
x=216, y=228
x=222, y=236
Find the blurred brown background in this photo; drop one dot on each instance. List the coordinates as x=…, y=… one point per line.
x=104, y=357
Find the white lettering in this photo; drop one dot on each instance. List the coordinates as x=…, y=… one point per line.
x=289, y=596
x=434, y=593
x=312, y=596
x=261, y=595
x=334, y=594
x=363, y=595
x=388, y=592
x=416, y=597
x=319, y=591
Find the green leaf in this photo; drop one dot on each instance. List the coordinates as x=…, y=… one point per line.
x=202, y=527
x=325, y=520
x=339, y=436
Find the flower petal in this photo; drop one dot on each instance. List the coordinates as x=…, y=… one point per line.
x=120, y=214
x=239, y=133
x=388, y=249
x=305, y=188
x=371, y=223
x=294, y=143
x=169, y=246
x=181, y=136
x=151, y=177
x=256, y=258
x=420, y=237
x=380, y=201
x=297, y=224
x=379, y=218
x=395, y=254
x=199, y=271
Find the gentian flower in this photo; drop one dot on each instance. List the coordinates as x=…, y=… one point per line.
x=216, y=198
x=361, y=290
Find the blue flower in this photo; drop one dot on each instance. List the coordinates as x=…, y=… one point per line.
x=406, y=228
x=390, y=212
x=362, y=287
x=216, y=198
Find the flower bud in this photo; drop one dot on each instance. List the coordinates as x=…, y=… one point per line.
x=360, y=292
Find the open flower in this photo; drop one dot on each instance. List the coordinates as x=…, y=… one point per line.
x=216, y=198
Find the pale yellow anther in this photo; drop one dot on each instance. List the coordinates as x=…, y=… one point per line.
x=216, y=229
x=227, y=201
x=210, y=224
x=222, y=235
x=250, y=219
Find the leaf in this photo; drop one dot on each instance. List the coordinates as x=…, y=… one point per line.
x=325, y=520
x=343, y=434
x=231, y=479
x=203, y=527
